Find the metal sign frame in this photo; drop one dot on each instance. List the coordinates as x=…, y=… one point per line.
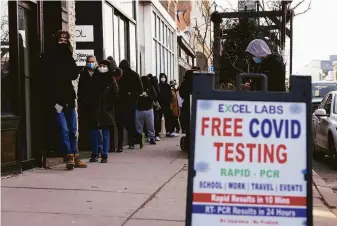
x=203, y=89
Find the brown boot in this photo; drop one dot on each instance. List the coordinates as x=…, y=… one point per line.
x=70, y=164
x=78, y=162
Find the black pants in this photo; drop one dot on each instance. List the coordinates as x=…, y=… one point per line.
x=157, y=123
x=176, y=124
x=167, y=113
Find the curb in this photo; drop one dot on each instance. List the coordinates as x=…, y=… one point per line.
x=330, y=198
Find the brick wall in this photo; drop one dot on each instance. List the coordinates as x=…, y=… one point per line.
x=170, y=6
x=72, y=21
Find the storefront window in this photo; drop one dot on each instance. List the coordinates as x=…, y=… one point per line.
x=154, y=25
x=116, y=38
x=133, y=48
x=154, y=56
x=162, y=32
x=158, y=58
x=122, y=39
x=108, y=31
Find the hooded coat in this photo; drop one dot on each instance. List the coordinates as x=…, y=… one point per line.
x=165, y=97
x=103, y=98
x=272, y=65
x=130, y=85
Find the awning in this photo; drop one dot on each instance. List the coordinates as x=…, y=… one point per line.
x=186, y=47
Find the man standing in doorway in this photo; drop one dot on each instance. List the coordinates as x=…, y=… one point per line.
x=60, y=70
x=130, y=88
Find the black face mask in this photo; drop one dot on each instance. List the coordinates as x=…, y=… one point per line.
x=64, y=48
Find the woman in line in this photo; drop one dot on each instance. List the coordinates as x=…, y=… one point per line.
x=102, y=112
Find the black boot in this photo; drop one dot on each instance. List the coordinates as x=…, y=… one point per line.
x=93, y=158
x=104, y=159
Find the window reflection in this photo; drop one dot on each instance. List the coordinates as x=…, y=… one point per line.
x=122, y=39
x=108, y=31
x=133, y=49
x=116, y=38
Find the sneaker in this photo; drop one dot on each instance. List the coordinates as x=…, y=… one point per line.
x=78, y=162
x=153, y=142
x=104, y=159
x=119, y=150
x=157, y=138
x=93, y=158
x=170, y=135
x=70, y=164
x=142, y=140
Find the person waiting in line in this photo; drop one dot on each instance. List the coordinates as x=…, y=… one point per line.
x=102, y=111
x=61, y=94
x=165, y=99
x=118, y=73
x=85, y=85
x=156, y=106
x=175, y=107
x=270, y=64
x=144, y=112
x=131, y=88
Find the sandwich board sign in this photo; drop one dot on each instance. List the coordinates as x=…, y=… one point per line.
x=250, y=157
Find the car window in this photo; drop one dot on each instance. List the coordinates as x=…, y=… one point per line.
x=335, y=104
x=327, y=106
x=322, y=104
x=319, y=90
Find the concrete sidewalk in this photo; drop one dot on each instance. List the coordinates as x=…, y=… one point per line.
x=136, y=188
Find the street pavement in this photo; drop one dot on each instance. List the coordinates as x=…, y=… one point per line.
x=135, y=188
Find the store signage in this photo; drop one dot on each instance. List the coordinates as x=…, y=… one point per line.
x=244, y=154
x=250, y=159
x=81, y=56
x=84, y=33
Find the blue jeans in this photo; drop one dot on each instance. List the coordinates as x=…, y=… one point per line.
x=145, y=118
x=94, y=137
x=66, y=121
x=100, y=140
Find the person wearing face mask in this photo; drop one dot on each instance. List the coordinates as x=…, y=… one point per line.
x=102, y=109
x=83, y=100
x=270, y=64
x=61, y=94
x=175, y=107
x=165, y=99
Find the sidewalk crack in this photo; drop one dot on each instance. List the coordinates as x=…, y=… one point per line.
x=152, y=196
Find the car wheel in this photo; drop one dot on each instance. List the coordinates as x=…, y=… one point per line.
x=332, y=152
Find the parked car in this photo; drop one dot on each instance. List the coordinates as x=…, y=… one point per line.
x=319, y=90
x=324, y=128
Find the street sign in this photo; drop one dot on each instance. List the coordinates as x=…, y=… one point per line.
x=250, y=157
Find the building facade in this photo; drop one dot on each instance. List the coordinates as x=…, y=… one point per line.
x=157, y=39
x=194, y=27
x=107, y=28
x=26, y=32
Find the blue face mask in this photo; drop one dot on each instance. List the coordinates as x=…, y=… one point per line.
x=91, y=65
x=257, y=60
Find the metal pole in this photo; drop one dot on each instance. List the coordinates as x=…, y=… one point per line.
x=291, y=43
x=216, y=19
x=283, y=27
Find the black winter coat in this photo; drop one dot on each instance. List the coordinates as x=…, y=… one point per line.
x=103, y=99
x=85, y=90
x=60, y=70
x=273, y=67
x=130, y=87
x=165, y=96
